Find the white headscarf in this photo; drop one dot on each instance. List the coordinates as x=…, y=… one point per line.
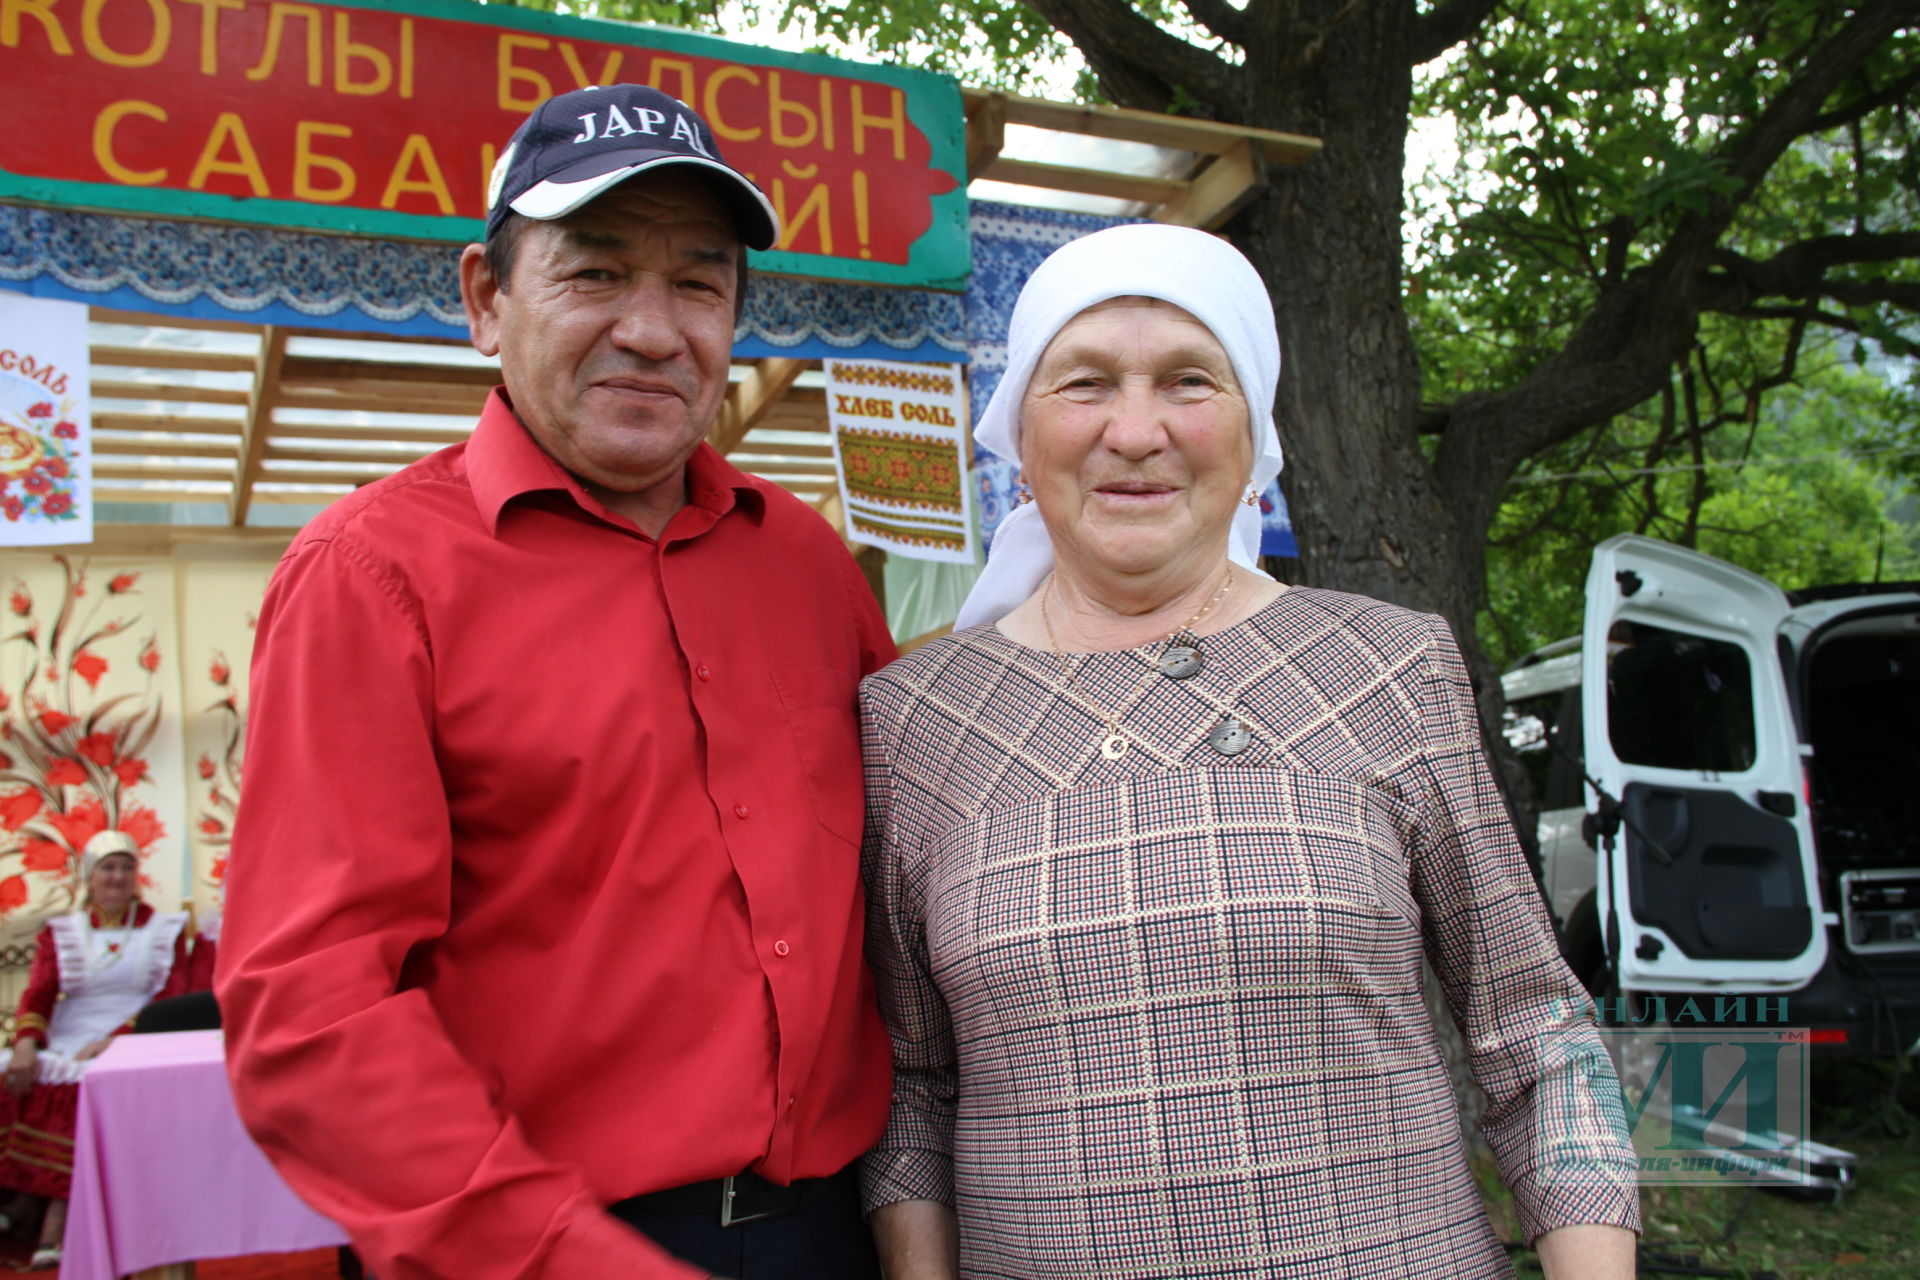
x=1191, y=269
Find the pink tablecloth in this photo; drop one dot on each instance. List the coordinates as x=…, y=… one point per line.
x=163, y=1172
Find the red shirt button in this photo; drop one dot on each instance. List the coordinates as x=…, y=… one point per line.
x=702, y=672
x=781, y=948
x=739, y=811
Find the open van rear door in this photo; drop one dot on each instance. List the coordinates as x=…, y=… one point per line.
x=1711, y=882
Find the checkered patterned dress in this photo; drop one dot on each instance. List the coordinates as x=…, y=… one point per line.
x=1162, y=1015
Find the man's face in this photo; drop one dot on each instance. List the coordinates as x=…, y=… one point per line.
x=616, y=329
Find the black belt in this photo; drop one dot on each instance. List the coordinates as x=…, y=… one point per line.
x=742, y=1198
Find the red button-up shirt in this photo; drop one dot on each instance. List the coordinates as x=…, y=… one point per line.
x=545, y=886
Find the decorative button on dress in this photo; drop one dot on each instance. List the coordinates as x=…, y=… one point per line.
x=1161, y=1014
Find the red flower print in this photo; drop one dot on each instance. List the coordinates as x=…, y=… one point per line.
x=55, y=467
x=43, y=855
x=66, y=772
x=19, y=808
x=89, y=666
x=142, y=823
x=6, y=761
x=220, y=671
x=13, y=893
x=81, y=824
x=5, y=702
x=212, y=826
x=56, y=504
x=150, y=654
x=97, y=747
x=12, y=506
x=54, y=722
x=206, y=765
x=122, y=583
x=44, y=409
x=66, y=430
x=130, y=772
x=36, y=482
x=218, y=871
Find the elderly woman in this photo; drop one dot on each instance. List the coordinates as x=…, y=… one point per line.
x=92, y=972
x=1155, y=846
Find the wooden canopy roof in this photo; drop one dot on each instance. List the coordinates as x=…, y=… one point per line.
x=247, y=416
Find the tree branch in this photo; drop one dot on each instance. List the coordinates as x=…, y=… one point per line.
x=1140, y=65
x=1636, y=330
x=1799, y=271
x=1899, y=91
x=1440, y=29
x=1220, y=18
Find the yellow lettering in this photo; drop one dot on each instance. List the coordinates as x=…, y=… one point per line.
x=658, y=72
x=102, y=52
x=895, y=122
x=817, y=204
x=245, y=164
x=489, y=156
x=779, y=109
x=609, y=66
x=346, y=53
x=406, y=57
x=539, y=89
x=711, y=107
x=278, y=15
x=418, y=150
x=41, y=11
x=306, y=160
x=103, y=127
x=210, y=31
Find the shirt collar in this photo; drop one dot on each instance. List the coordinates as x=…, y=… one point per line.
x=504, y=462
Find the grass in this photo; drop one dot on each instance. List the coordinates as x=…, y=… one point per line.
x=1871, y=1233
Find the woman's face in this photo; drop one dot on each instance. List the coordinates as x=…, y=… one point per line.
x=1134, y=440
x=113, y=882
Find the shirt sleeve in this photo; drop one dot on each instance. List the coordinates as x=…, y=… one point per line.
x=342, y=867
x=1554, y=1118
x=914, y=1159
x=42, y=993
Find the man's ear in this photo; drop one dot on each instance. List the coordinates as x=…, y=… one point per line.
x=480, y=294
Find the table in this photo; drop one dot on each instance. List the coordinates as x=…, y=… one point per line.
x=162, y=1171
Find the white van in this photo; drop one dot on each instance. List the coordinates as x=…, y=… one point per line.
x=1762, y=755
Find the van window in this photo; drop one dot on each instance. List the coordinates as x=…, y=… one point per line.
x=1544, y=731
x=1679, y=701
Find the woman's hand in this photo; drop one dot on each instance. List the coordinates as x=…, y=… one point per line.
x=22, y=1067
x=93, y=1050
x=1590, y=1252
x=917, y=1240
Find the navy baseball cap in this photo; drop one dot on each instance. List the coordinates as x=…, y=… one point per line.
x=581, y=144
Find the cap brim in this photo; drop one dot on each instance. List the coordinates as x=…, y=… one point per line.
x=757, y=223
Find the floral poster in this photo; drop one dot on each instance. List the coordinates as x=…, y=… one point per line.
x=900, y=448
x=45, y=471
x=89, y=730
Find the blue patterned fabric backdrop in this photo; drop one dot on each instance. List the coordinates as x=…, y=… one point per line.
x=1009, y=241
x=263, y=276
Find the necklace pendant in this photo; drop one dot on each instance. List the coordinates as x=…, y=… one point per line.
x=1230, y=738
x=1178, y=661
x=1113, y=746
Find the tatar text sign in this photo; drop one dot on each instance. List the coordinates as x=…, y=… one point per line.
x=387, y=120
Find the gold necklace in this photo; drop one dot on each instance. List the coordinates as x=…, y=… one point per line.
x=1113, y=743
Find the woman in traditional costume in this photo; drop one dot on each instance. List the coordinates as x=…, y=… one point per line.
x=93, y=971
x=1155, y=846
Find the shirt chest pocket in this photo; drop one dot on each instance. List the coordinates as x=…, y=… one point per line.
x=822, y=711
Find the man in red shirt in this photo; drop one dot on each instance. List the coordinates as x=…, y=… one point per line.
x=542, y=954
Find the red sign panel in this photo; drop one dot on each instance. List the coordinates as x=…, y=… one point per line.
x=388, y=120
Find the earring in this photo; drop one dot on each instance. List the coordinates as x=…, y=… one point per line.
x=1252, y=499
x=1022, y=494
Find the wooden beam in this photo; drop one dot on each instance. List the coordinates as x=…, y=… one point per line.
x=1220, y=190
x=148, y=320
x=986, y=131
x=1086, y=182
x=165, y=539
x=750, y=398
x=105, y=446
x=253, y=435
x=168, y=422
x=170, y=358
x=116, y=390
x=373, y=401
x=437, y=436
x=305, y=369
x=214, y=470
x=302, y=473
x=343, y=452
x=1181, y=133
